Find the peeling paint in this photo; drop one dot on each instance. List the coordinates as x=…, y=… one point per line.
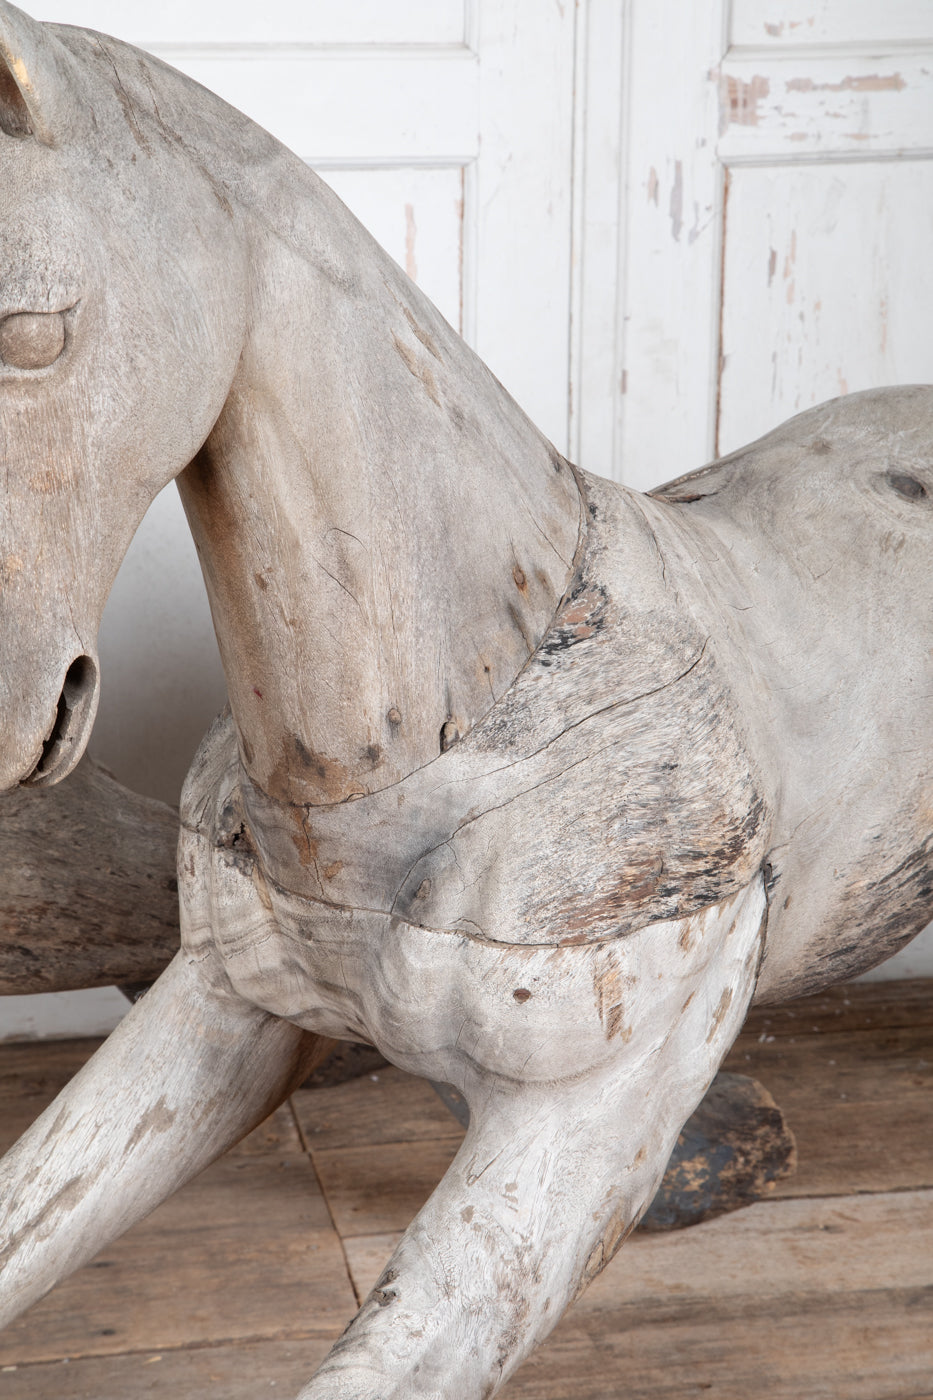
x=772, y=265
x=871, y=82
x=411, y=231
x=653, y=184
x=738, y=100
x=677, y=201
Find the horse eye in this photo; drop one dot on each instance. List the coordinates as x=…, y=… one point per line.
x=32, y=339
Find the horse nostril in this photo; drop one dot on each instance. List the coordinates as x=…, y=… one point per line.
x=73, y=719
x=79, y=678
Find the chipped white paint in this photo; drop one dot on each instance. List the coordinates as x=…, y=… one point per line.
x=668, y=318
x=832, y=107
x=834, y=326
x=712, y=101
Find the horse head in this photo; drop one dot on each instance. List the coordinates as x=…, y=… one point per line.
x=121, y=313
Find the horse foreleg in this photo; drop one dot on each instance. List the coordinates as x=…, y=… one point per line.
x=573, y=1119
x=188, y=1072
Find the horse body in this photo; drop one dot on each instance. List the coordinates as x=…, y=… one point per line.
x=526, y=778
x=807, y=555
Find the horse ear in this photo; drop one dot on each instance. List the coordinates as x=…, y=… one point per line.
x=38, y=88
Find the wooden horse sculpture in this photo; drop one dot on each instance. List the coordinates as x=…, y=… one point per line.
x=529, y=780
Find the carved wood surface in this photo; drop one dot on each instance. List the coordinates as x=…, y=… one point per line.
x=88, y=896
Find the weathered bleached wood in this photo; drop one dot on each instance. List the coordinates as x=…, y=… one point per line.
x=530, y=782
x=188, y=1060
x=733, y=1149
x=245, y=1215
x=88, y=895
x=810, y=550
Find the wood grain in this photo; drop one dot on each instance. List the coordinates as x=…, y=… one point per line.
x=388, y=1106
x=230, y=1371
x=246, y=1250
x=846, y=1097
x=852, y=1006
x=89, y=895
x=376, y=1190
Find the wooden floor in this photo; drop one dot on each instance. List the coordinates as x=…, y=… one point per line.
x=237, y=1286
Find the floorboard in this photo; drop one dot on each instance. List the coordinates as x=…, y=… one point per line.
x=237, y=1287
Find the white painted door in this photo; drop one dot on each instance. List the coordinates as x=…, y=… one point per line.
x=779, y=215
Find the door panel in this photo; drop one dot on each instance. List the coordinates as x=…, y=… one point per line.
x=833, y=106
x=800, y=323
x=748, y=125
x=273, y=22
x=370, y=105
x=796, y=23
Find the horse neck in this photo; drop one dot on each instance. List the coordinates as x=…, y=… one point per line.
x=385, y=536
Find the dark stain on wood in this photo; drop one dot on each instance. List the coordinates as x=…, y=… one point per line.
x=157, y=1119
x=299, y=762
x=731, y=1152
x=581, y=616
x=906, y=486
